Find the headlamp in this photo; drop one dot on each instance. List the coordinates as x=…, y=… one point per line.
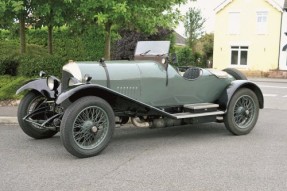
x=53, y=83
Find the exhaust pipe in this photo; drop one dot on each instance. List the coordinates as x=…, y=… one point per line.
x=139, y=123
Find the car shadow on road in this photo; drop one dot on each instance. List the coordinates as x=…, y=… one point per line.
x=136, y=139
x=186, y=131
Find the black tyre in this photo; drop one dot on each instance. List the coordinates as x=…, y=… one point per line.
x=235, y=73
x=242, y=112
x=32, y=101
x=87, y=126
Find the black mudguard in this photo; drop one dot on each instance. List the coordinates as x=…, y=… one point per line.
x=115, y=99
x=39, y=85
x=236, y=85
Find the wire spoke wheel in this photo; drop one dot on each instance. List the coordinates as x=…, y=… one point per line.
x=242, y=112
x=87, y=126
x=90, y=127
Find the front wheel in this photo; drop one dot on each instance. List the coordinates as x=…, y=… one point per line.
x=87, y=126
x=31, y=102
x=242, y=112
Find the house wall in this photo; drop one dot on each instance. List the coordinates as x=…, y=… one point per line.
x=263, y=49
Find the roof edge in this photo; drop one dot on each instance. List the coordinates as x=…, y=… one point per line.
x=222, y=5
x=273, y=3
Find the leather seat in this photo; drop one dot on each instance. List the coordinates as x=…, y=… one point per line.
x=192, y=73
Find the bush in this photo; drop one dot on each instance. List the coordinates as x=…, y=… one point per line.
x=8, y=61
x=185, y=56
x=5, y=35
x=9, y=86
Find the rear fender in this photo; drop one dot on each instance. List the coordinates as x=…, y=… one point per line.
x=236, y=85
x=119, y=102
x=39, y=85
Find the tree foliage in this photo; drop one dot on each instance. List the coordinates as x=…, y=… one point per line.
x=201, y=55
x=193, y=24
x=141, y=15
x=52, y=14
x=19, y=11
x=109, y=15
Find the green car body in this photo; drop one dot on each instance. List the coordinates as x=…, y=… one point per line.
x=93, y=96
x=147, y=82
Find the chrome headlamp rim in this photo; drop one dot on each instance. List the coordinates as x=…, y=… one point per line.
x=53, y=83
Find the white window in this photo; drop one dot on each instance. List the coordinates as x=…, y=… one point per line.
x=261, y=22
x=234, y=23
x=239, y=55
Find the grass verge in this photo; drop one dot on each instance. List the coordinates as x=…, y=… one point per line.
x=9, y=86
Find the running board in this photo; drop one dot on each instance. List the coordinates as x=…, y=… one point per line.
x=193, y=115
x=200, y=107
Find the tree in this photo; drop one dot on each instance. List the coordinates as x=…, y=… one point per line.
x=16, y=10
x=6, y=14
x=208, y=41
x=51, y=13
x=204, y=47
x=193, y=24
x=114, y=15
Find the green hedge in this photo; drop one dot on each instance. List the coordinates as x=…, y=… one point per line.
x=68, y=45
x=30, y=64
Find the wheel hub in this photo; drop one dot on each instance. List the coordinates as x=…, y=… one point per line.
x=88, y=124
x=240, y=110
x=94, y=129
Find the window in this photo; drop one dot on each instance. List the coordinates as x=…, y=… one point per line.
x=261, y=21
x=239, y=55
x=234, y=23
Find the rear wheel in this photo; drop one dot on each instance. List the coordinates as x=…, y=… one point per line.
x=242, y=112
x=235, y=73
x=33, y=101
x=87, y=126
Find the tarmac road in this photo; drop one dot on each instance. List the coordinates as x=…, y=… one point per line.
x=197, y=157
x=203, y=157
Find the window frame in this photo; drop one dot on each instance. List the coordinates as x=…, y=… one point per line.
x=262, y=25
x=239, y=49
x=234, y=29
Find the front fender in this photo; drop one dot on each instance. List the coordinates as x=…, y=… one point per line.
x=40, y=85
x=115, y=99
x=236, y=85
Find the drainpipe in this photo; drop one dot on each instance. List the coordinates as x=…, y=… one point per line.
x=280, y=38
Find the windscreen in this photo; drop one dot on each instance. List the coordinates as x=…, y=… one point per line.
x=152, y=48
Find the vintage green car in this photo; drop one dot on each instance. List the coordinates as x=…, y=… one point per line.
x=92, y=97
